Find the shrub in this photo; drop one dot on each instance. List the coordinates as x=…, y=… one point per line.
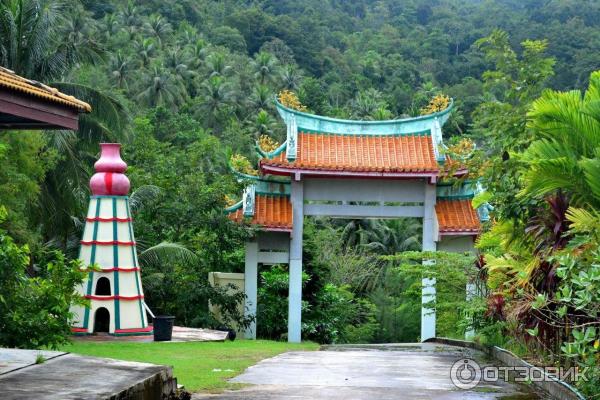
x=35, y=311
x=333, y=316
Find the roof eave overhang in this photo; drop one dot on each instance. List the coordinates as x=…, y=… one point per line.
x=37, y=113
x=298, y=172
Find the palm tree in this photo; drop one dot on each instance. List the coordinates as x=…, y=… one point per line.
x=162, y=88
x=215, y=96
x=263, y=124
x=261, y=98
x=158, y=27
x=129, y=15
x=145, y=49
x=120, y=70
x=291, y=77
x=110, y=25
x=366, y=103
x=177, y=61
x=29, y=40
x=382, y=236
x=189, y=35
x=64, y=191
x=37, y=42
x=216, y=65
x=266, y=67
x=197, y=53
x=78, y=34
x=382, y=114
x=566, y=154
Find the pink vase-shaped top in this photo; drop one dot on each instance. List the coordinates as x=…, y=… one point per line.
x=109, y=179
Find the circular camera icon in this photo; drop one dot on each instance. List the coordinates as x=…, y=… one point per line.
x=465, y=373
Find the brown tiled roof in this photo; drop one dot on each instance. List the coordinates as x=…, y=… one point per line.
x=361, y=153
x=270, y=212
x=10, y=80
x=456, y=216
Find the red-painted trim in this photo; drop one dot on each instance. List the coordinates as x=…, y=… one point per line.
x=107, y=243
x=117, y=297
x=120, y=269
x=89, y=219
x=78, y=330
x=149, y=328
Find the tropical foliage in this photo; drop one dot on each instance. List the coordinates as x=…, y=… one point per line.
x=184, y=85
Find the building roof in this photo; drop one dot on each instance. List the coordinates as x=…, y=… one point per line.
x=272, y=212
x=318, y=145
x=12, y=81
x=407, y=153
x=457, y=217
x=27, y=104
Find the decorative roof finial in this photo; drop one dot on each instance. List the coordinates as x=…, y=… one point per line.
x=109, y=179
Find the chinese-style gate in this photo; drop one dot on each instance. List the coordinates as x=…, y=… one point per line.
x=351, y=169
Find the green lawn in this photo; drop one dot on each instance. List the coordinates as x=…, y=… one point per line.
x=194, y=362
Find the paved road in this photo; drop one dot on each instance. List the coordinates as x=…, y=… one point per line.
x=411, y=371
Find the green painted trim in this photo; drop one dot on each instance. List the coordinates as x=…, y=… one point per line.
x=133, y=334
x=86, y=317
x=465, y=182
x=456, y=197
x=273, y=194
x=242, y=175
x=425, y=132
x=273, y=179
x=116, y=264
x=234, y=207
x=103, y=196
x=282, y=147
x=362, y=122
x=134, y=259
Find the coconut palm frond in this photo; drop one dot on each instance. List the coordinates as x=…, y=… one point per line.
x=166, y=254
x=142, y=196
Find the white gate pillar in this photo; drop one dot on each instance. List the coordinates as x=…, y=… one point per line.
x=429, y=237
x=251, y=286
x=295, y=266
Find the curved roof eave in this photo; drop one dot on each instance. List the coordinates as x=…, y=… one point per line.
x=320, y=123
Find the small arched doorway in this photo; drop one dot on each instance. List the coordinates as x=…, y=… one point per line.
x=102, y=287
x=102, y=320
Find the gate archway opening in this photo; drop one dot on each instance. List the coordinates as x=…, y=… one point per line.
x=351, y=169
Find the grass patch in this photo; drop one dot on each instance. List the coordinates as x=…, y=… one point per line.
x=193, y=362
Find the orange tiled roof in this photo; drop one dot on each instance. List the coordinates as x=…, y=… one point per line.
x=361, y=153
x=456, y=216
x=10, y=80
x=270, y=212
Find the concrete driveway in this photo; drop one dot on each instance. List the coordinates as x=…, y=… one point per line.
x=407, y=371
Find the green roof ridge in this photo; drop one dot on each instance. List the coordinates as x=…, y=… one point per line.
x=365, y=122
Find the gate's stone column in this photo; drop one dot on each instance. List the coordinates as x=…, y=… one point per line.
x=251, y=286
x=429, y=244
x=295, y=288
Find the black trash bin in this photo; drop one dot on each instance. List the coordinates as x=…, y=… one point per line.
x=163, y=328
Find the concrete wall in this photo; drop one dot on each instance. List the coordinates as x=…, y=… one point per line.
x=223, y=279
x=456, y=244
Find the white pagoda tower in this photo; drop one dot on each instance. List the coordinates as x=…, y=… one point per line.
x=114, y=286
